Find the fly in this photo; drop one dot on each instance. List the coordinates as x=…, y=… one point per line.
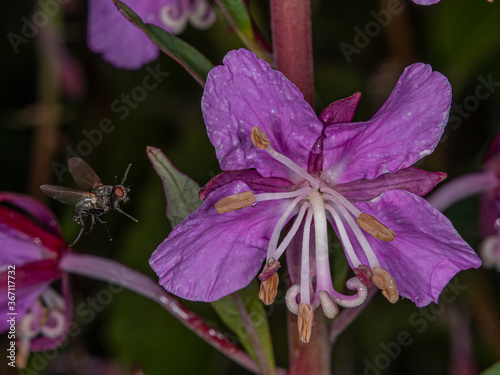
x=94, y=200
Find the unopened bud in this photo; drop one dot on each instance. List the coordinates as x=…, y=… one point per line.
x=305, y=319
x=269, y=289
x=385, y=282
x=375, y=227
x=235, y=202
x=259, y=138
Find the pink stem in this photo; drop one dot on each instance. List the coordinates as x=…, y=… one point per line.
x=292, y=43
x=462, y=187
x=116, y=273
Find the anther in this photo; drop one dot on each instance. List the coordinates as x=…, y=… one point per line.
x=235, y=202
x=269, y=289
x=259, y=138
x=375, y=227
x=385, y=282
x=364, y=274
x=305, y=319
x=270, y=269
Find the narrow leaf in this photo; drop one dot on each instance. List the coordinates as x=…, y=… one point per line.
x=181, y=191
x=186, y=55
x=493, y=370
x=237, y=14
x=228, y=312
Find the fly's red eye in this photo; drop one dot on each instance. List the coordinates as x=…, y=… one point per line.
x=119, y=192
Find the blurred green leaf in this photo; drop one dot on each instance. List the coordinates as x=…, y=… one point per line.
x=465, y=36
x=238, y=15
x=228, y=311
x=493, y=370
x=186, y=55
x=181, y=191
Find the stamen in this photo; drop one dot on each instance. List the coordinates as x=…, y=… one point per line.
x=270, y=269
x=305, y=322
x=327, y=304
x=260, y=140
x=273, y=242
x=235, y=202
x=343, y=235
x=385, y=282
x=364, y=274
x=332, y=194
x=370, y=255
x=285, y=195
x=269, y=289
x=375, y=227
x=291, y=233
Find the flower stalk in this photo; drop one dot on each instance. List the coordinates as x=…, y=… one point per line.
x=292, y=43
x=116, y=273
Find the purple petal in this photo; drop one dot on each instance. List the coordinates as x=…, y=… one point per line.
x=414, y=180
x=404, y=130
x=34, y=208
x=211, y=255
x=340, y=111
x=426, y=2
x=25, y=298
x=427, y=251
x=246, y=92
x=250, y=177
x=120, y=42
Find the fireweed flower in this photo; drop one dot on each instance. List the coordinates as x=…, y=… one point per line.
x=31, y=246
x=289, y=173
x=487, y=184
x=127, y=47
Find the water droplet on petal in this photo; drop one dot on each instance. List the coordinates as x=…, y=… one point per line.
x=254, y=205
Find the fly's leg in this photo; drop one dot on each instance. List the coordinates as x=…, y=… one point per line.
x=78, y=219
x=105, y=226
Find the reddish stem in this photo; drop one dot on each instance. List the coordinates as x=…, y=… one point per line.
x=116, y=273
x=292, y=43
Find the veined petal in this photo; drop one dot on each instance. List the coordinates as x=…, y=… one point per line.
x=120, y=42
x=34, y=208
x=246, y=92
x=414, y=180
x=426, y=253
x=252, y=178
x=210, y=255
x=406, y=128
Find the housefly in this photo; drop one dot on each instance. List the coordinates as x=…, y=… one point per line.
x=94, y=199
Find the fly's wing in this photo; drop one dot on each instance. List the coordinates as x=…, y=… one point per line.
x=64, y=194
x=83, y=174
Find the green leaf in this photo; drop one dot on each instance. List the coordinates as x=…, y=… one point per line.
x=228, y=311
x=180, y=190
x=239, y=17
x=186, y=55
x=493, y=370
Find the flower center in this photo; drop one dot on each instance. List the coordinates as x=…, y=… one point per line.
x=45, y=318
x=315, y=202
